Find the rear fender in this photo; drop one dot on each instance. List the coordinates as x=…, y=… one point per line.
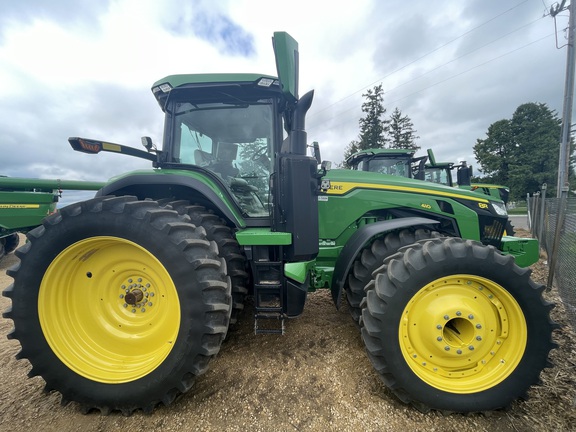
x=177, y=187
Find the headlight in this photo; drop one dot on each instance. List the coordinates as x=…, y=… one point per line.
x=499, y=208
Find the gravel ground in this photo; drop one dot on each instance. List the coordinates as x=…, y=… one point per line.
x=316, y=377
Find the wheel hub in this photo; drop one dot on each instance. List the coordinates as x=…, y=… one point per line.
x=137, y=294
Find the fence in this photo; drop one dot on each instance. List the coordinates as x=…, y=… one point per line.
x=553, y=222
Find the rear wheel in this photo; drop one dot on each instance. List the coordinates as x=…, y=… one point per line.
x=372, y=258
x=453, y=325
x=228, y=248
x=119, y=304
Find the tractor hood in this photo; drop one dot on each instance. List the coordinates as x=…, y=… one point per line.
x=343, y=181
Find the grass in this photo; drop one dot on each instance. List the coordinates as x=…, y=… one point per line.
x=518, y=210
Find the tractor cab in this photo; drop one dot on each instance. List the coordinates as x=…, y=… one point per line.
x=398, y=162
x=441, y=172
x=233, y=133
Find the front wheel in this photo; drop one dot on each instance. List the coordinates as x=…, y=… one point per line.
x=372, y=257
x=453, y=325
x=119, y=304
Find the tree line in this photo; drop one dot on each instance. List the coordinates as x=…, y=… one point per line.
x=521, y=152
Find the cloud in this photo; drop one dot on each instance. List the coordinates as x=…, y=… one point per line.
x=74, y=13
x=204, y=20
x=85, y=68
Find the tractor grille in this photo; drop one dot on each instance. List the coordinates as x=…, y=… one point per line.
x=491, y=230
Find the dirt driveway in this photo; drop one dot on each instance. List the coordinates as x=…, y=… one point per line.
x=315, y=378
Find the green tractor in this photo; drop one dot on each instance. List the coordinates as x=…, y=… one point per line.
x=25, y=202
x=441, y=172
x=402, y=162
x=120, y=302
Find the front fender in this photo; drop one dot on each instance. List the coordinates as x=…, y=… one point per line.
x=357, y=242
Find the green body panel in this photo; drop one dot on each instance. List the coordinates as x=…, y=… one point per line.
x=23, y=210
x=24, y=202
x=298, y=271
x=262, y=237
x=525, y=251
x=340, y=211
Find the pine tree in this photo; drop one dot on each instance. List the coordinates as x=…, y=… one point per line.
x=401, y=132
x=373, y=126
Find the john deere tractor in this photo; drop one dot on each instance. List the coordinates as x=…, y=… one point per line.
x=441, y=172
x=120, y=302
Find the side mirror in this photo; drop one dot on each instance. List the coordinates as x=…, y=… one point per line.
x=148, y=144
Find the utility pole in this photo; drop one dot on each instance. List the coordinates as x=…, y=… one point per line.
x=564, y=159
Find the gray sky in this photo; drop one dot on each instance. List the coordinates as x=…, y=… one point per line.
x=85, y=68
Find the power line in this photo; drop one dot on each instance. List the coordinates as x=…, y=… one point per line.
x=419, y=58
x=311, y=127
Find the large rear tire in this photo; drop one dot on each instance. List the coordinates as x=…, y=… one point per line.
x=372, y=258
x=119, y=304
x=228, y=248
x=453, y=325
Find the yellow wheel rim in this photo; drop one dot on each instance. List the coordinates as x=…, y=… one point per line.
x=109, y=309
x=463, y=334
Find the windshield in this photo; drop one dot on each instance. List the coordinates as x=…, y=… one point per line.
x=233, y=141
x=437, y=175
x=392, y=166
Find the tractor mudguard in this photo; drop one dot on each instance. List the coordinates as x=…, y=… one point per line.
x=297, y=283
x=356, y=243
x=142, y=185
